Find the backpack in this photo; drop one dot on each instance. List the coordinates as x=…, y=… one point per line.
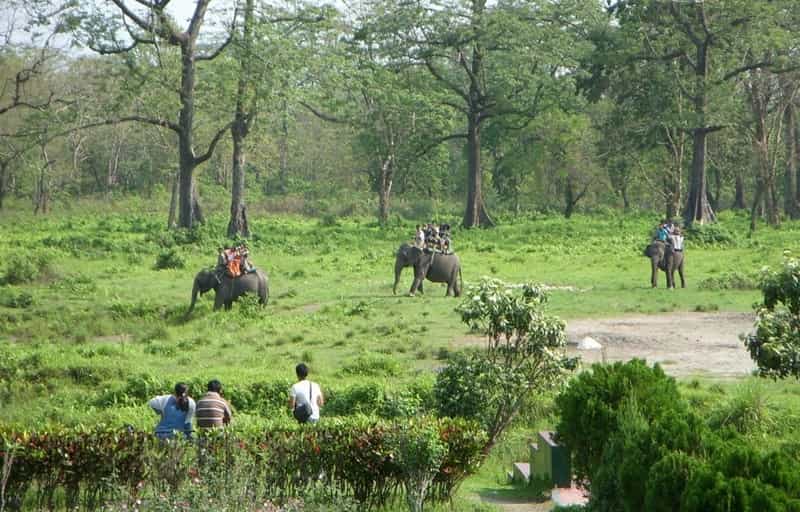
x=304, y=411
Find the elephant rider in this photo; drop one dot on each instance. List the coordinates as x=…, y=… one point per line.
x=445, y=244
x=662, y=232
x=245, y=265
x=419, y=237
x=676, y=239
x=233, y=262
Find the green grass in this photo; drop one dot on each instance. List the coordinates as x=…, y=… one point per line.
x=100, y=314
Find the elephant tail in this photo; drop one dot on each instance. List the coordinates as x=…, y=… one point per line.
x=460, y=280
x=263, y=291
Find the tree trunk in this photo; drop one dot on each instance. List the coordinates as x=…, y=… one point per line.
x=697, y=207
x=3, y=180
x=673, y=180
x=475, y=214
x=385, y=188
x=790, y=200
x=173, y=203
x=197, y=213
x=283, y=150
x=42, y=193
x=738, y=201
x=237, y=225
x=569, y=198
x=754, y=211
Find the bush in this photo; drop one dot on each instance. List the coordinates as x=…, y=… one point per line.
x=24, y=268
x=775, y=344
x=169, y=258
x=590, y=407
x=19, y=300
x=730, y=281
x=709, y=234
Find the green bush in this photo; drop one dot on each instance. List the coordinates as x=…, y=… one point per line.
x=730, y=281
x=169, y=258
x=775, y=343
x=709, y=234
x=19, y=300
x=24, y=268
x=589, y=407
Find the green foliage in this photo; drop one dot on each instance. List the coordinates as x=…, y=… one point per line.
x=710, y=234
x=169, y=258
x=419, y=451
x=590, y=407
x=775, y=344
x=748, y=411
x=19, y=300
x=524, y=356
x=24, y=268
x=731, y=281
x=354, y=460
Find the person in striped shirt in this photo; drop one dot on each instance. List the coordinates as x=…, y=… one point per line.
x=213, y=410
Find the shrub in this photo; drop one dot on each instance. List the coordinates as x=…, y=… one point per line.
x=19, y=300
x=747, y=411
x=775, y=344
x=24, y=268
x=709, y=234
x=524, y=356
x=419, y=452
x=730, y=281
x=372, y=365
x=169, y=258
x=589, y=407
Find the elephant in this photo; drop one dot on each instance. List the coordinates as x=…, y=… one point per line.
x=230, y=289
x=404, y=258
x=664, y=258
x=436, y=267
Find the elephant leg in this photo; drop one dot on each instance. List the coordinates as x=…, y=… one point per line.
x=218, y=303
x=398, y=269
x=654, y=273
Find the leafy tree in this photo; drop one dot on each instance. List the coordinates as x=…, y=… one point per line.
x=511, y=59
x=705, y=46
x=148, y=24
x=524, y=355
x=419, y=452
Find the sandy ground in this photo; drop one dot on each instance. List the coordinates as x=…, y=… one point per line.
x=685, y=344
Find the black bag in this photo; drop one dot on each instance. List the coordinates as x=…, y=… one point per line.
x=303, y=412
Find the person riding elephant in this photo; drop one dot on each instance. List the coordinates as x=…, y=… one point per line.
x=229, y=289
x=662, y=256
x=436, y=267
x=403, y=258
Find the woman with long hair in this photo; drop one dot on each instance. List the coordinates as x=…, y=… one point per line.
x=176, y=412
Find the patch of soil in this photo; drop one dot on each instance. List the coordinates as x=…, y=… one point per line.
x=685, y=344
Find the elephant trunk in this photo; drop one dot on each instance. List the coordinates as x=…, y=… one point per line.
x=195, y=291
x=398, y=269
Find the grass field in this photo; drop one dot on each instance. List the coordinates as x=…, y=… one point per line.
x=98, y=327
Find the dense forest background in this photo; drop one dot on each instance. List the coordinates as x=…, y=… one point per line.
x=392, y=107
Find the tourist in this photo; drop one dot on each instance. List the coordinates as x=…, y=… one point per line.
x=305, y=397
x=176, y=412
x=212, y=410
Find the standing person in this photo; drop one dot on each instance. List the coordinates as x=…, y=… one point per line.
x=176, y=412
x=305, y=397
x=212, y=410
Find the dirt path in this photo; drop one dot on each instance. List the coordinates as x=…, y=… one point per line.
x=685, y=344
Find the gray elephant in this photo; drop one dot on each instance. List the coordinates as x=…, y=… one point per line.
x=436, y=267
x=230, y=289
x=405, y=257
x=664, y=258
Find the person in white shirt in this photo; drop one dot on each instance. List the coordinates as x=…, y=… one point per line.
x=677, y=239
x=419, y=237
x=306, y=392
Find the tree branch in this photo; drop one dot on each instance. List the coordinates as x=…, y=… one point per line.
x=446, y=82
x=438, y=141
x=212, y=145
x=322, y=115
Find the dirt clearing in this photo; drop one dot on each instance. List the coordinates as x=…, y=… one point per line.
x=685, y=344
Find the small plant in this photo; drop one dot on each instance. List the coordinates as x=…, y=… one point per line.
x=419, y=451
x=169, y=258
x=19, y=300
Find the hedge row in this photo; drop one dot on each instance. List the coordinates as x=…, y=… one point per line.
x=353, y=458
